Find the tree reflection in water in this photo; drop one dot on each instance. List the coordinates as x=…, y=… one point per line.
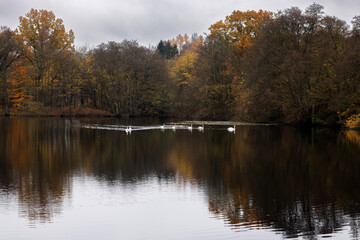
x=301, y=183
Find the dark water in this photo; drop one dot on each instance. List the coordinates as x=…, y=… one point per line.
x=59, y=180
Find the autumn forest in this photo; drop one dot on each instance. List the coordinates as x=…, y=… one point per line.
x=291, y=66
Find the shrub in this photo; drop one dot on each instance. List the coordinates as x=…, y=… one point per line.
x=353, y=121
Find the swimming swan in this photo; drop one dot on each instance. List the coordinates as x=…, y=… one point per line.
x=231, y=129
x=128, y=129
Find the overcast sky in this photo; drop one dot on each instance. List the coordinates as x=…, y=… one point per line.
x=148, y=21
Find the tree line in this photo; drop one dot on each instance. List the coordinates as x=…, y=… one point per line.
x=290, y=66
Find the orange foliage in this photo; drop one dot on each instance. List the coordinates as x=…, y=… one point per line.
x=353, y=121
x=180, y=41
x=240, y=28
x=20, y=83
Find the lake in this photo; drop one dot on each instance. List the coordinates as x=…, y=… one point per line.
x=89, y=179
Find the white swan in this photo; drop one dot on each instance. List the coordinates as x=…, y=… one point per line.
x=231, y=129
x=201, y=128
x=128, y=129
x=190, y=128
x=173, y=128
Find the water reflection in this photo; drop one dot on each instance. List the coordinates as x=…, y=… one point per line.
x=299, y=183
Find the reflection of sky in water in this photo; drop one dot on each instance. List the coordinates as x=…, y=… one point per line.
x=147, y=209
x=150, y=209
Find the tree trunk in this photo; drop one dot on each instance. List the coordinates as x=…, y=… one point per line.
x=313, y=113
x=130, y=102
x=117, y=108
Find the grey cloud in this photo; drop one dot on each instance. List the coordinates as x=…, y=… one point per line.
x=148, y=21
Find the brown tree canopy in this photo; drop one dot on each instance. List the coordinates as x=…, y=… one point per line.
x=10, y=50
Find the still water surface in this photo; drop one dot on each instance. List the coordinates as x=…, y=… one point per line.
x=60, y=179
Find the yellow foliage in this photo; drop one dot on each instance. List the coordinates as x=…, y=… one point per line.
x=40, y=28
x=182, y=68
x=353, y=121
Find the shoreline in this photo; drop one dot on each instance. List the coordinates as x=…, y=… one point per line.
x=180, y=119
x=79, y=112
